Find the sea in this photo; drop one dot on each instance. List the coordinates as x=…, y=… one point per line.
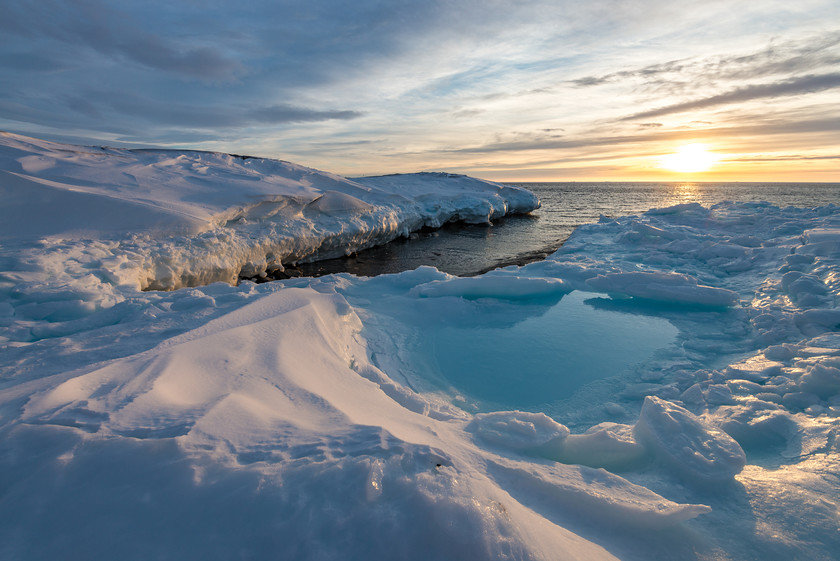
x=472, y=249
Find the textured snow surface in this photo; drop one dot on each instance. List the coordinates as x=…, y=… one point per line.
x=310, y=419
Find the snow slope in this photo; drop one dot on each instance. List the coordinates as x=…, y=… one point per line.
x=313, y=418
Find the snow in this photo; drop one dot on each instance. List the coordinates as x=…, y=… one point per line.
x=353, y=418
x=195, y=218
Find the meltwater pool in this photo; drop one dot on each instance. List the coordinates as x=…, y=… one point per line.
x=546, y=358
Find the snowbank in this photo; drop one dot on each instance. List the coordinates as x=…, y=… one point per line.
x=186, y=218
x=311, y=418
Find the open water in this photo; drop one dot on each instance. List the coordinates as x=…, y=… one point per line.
x=466, y=250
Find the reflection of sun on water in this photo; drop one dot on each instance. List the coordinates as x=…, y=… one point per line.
x=684, y=193
x=691, y=158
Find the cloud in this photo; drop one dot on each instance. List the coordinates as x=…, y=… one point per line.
x=647, y=72
x=290, y=114
x=466, y=113
x=781, y=126
x=129, y=114
x=552, y=143
x=218, y=116
x=31, y=62
x=785, y=158
x=795, y=86
x=113, y=32
x=787, y=59
x=818, y=123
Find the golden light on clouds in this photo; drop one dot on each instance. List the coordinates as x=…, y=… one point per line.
x=690, y=158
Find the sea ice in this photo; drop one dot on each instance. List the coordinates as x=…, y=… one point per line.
x=606, y=445
x=663, y=287
x=692, y=448
x=507, y=287
x=517, y=430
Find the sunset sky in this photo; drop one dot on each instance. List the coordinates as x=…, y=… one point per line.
x=510, y=91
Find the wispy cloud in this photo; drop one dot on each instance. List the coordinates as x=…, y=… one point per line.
x=129, y=114
x=819, y=51
x=787, y=158
x=795, y=86
x=768, y=127
x=292, y=114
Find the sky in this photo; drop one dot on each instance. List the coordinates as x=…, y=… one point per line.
x=504, y=90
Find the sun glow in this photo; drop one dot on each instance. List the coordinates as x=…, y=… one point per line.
x=691, y=158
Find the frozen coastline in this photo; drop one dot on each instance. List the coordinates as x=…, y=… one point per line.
x=314, y=418
x=162, y=219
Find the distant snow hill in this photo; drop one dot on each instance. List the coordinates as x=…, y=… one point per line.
x=182, y=217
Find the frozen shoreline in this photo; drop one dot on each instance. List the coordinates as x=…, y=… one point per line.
x=311, y=418
x=163, y=219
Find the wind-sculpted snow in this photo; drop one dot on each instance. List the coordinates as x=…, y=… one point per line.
x=313, y=418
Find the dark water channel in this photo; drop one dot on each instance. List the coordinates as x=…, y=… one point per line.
x=456, y=248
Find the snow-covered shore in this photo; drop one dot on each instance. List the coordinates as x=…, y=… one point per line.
x=163, y=219
x=316, y=418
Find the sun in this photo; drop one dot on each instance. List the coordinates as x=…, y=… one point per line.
x=691, y=158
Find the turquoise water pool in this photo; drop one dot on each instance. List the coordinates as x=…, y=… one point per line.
x=548, y=357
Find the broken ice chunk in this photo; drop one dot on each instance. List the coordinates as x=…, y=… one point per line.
x=756, y=424
x=504, y=287
x=596, y=494
x=606, y=445
x=693, y=448
x=672, y=288
x=822, y=378
x=517, y=430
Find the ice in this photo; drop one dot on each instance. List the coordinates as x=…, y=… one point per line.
x=609, y=499
x=517, y=430
x=822, y=378
x=695, y=450
x=505, y=287
x=663, y=287
x=686, y=409
x=606, y=445
x=757, y=424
